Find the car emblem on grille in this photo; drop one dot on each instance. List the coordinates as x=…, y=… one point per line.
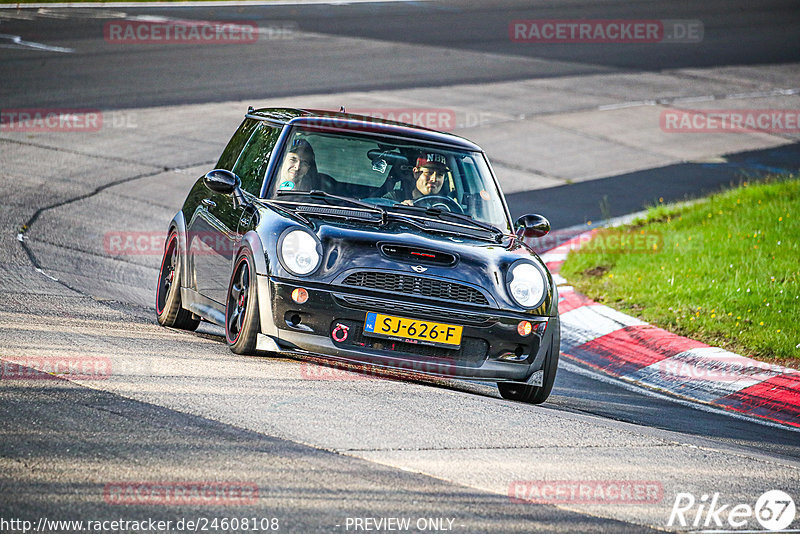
x=419, y=268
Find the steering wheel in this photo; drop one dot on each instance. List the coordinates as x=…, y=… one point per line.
x=438, y=201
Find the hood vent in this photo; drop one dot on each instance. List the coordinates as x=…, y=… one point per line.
x=418, y=255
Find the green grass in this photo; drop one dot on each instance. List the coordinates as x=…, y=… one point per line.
x=726, y=273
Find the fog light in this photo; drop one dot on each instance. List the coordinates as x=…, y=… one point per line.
x=524, y=328
x=300, y=295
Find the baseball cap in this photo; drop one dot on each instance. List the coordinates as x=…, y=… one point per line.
x=432, y=159
x=300, y=146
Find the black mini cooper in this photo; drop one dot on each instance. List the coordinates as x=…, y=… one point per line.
x=365, y=241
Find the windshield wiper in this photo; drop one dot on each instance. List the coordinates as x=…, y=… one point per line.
x=284, y=209
x=444, y=214
x=322, y=195
x=409, y=220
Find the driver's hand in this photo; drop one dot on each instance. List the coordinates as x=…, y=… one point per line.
x=407, y=203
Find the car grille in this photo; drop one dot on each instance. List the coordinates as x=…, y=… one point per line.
x=416, y=285
x=391, y=306
x=473, y=350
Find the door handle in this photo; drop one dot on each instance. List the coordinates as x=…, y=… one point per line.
x=209, y=203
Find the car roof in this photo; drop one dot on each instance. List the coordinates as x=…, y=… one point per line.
x=348, y=121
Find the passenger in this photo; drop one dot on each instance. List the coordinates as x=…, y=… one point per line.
x=299, y=168
x=429, y=175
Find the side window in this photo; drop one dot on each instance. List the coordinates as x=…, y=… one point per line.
x=234, y=148
x=252, y=163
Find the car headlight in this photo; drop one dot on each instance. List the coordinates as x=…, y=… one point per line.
x=527, y=284
x=299, y=252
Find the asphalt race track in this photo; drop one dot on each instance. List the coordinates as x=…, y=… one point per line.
x=572, y=130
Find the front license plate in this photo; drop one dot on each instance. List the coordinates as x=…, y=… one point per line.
x=404, y=329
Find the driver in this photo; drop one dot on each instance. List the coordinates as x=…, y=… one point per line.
x=429, y=175
x=298, y=169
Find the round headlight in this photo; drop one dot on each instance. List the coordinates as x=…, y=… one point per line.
x=299, y=252
x=527, y=284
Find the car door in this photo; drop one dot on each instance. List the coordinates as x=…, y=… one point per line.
x=215, y=228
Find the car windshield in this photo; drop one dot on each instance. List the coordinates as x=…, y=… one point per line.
x=386, y=172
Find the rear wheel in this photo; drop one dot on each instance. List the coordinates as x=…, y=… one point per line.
x=535, y=394
x=241, y=308
x=168, y=294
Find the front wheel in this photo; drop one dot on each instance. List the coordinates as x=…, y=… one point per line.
x=169, y=311
x=535, y=394
x=241, y=309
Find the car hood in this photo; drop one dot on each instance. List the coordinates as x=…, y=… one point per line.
x=350, y=246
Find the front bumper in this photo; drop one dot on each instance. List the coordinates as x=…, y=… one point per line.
x=491, y=348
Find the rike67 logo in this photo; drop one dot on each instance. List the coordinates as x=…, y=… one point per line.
x=774, y=511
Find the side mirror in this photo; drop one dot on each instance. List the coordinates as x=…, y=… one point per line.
x=221, y=181
x=532, y=225
x=225, y=183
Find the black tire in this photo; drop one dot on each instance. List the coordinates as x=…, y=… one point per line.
x=241, y=306
x=535, y=394
x=168, y=293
